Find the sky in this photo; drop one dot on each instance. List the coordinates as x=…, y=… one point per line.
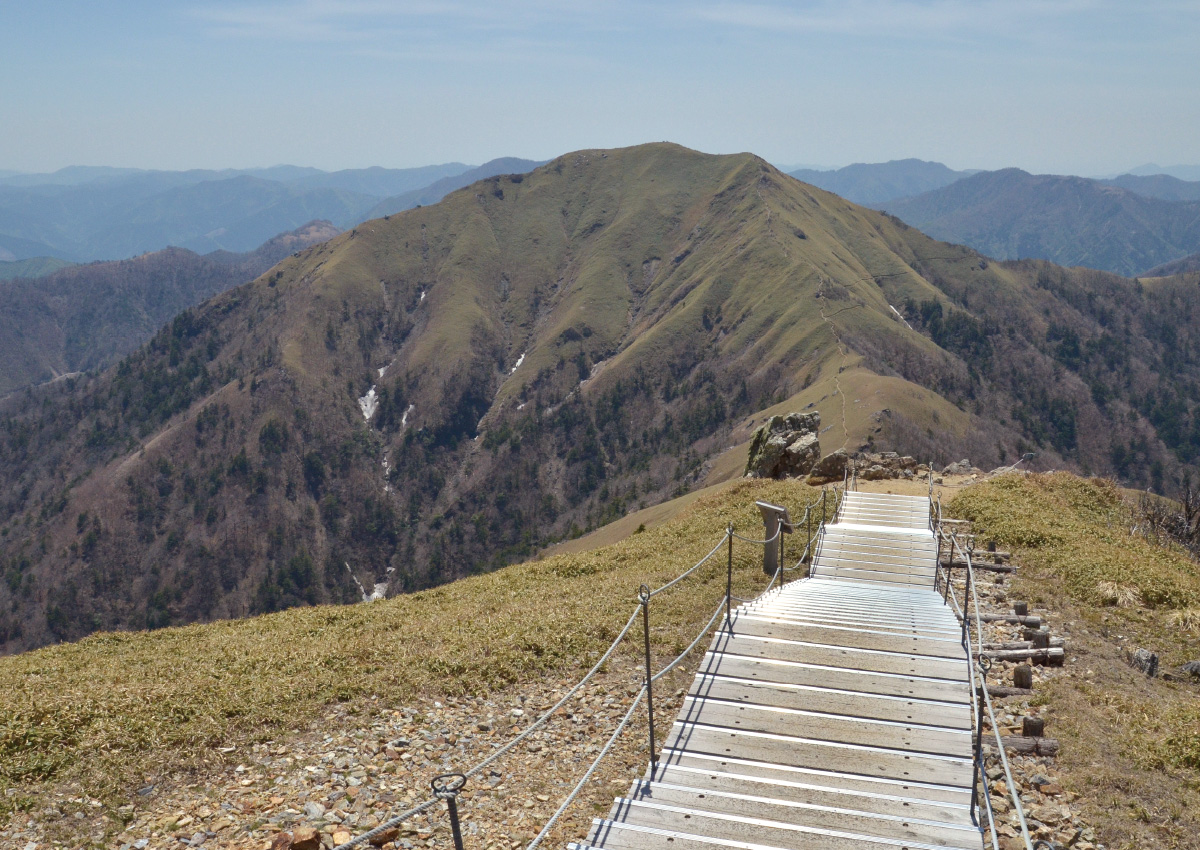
x=1053, y=86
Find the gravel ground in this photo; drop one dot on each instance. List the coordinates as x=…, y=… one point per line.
x=358, y=768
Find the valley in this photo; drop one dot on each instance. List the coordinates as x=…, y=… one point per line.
x=539, y=355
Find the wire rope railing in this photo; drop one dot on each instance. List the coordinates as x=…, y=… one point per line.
x=969, y=614
x=446, y=787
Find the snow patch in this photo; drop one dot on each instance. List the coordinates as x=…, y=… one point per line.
x=383, y=371
x=404, y=418
x=361, y=589
x=379, y=591
x=422, y=295
x=368, y=404
x=520, y=360
x=521, y=406
x=901, y=318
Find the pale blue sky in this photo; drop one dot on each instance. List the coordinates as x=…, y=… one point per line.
x=1069, y=86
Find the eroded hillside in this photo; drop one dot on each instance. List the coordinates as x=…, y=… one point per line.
x=443, y=391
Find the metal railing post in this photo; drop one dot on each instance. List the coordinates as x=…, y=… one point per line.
x=782, y=549
x=966, y=598
x=446, y=787
x=984, y=665
x=644, y=597
x=729, y=580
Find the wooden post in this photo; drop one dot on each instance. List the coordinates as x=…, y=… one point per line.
x=1023, y=676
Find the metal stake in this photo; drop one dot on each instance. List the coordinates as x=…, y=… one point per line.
x=808, y=527
x=446, y=787
x=966, y=602
x=728, y=581
x=644, y=597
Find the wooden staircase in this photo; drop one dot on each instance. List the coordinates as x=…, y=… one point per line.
x=833, y=713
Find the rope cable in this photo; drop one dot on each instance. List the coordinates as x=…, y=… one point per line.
x=388, y=824
x=678, y=658
x=550, y=711
x=588, y=774
x=692, y=569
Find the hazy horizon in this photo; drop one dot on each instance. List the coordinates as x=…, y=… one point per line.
x=1065, y=86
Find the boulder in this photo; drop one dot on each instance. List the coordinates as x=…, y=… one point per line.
x=963, y=467
x=830, y=468
x=306, y=838
x=785, y=446
x=1192, y=668
x=1146, y=661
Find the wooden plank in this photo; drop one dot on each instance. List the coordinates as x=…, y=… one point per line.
x=848, y=638
x=941, y=618
x=833, y=701
x=629, y=837
x=753, y=807
x=815, y=791
x=862, y=576
x=814, y=726
x=765, y=832
x=777, y=671
x=859, y=624
x=871, y=786
x=840, y=656
x=889, y=629
x=798, y=751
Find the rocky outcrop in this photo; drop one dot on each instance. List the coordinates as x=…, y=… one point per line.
x=962, y=467
x=785, y=446
x=831, y=468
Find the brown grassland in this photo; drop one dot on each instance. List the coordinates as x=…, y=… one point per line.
x=1130, y=745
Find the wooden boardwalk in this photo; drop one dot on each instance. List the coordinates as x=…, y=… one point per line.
x=832, y=714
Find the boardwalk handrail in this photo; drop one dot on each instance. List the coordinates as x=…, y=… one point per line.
x=646, y=690
x=981, y=700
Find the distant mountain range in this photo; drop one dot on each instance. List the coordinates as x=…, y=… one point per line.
x=1073, y=221
x=82, y=214
x=1180, y=172
x=453, y=388
x=877, y=183
x=85, y=317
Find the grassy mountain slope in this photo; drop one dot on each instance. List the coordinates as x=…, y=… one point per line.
x=1130, y=744
x=33, y=267
x=1185, y=265
x=85, y=317
x=249, y=678
x=878, y=183
x=1072, y=221
x=540, y=354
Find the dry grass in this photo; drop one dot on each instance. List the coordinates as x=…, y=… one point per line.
x=1131, y=745
x=1078, y=530
x=1121, y=595
x=112, y=710
x=1186, y=619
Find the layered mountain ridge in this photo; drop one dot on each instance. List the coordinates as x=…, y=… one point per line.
x=445, y=390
